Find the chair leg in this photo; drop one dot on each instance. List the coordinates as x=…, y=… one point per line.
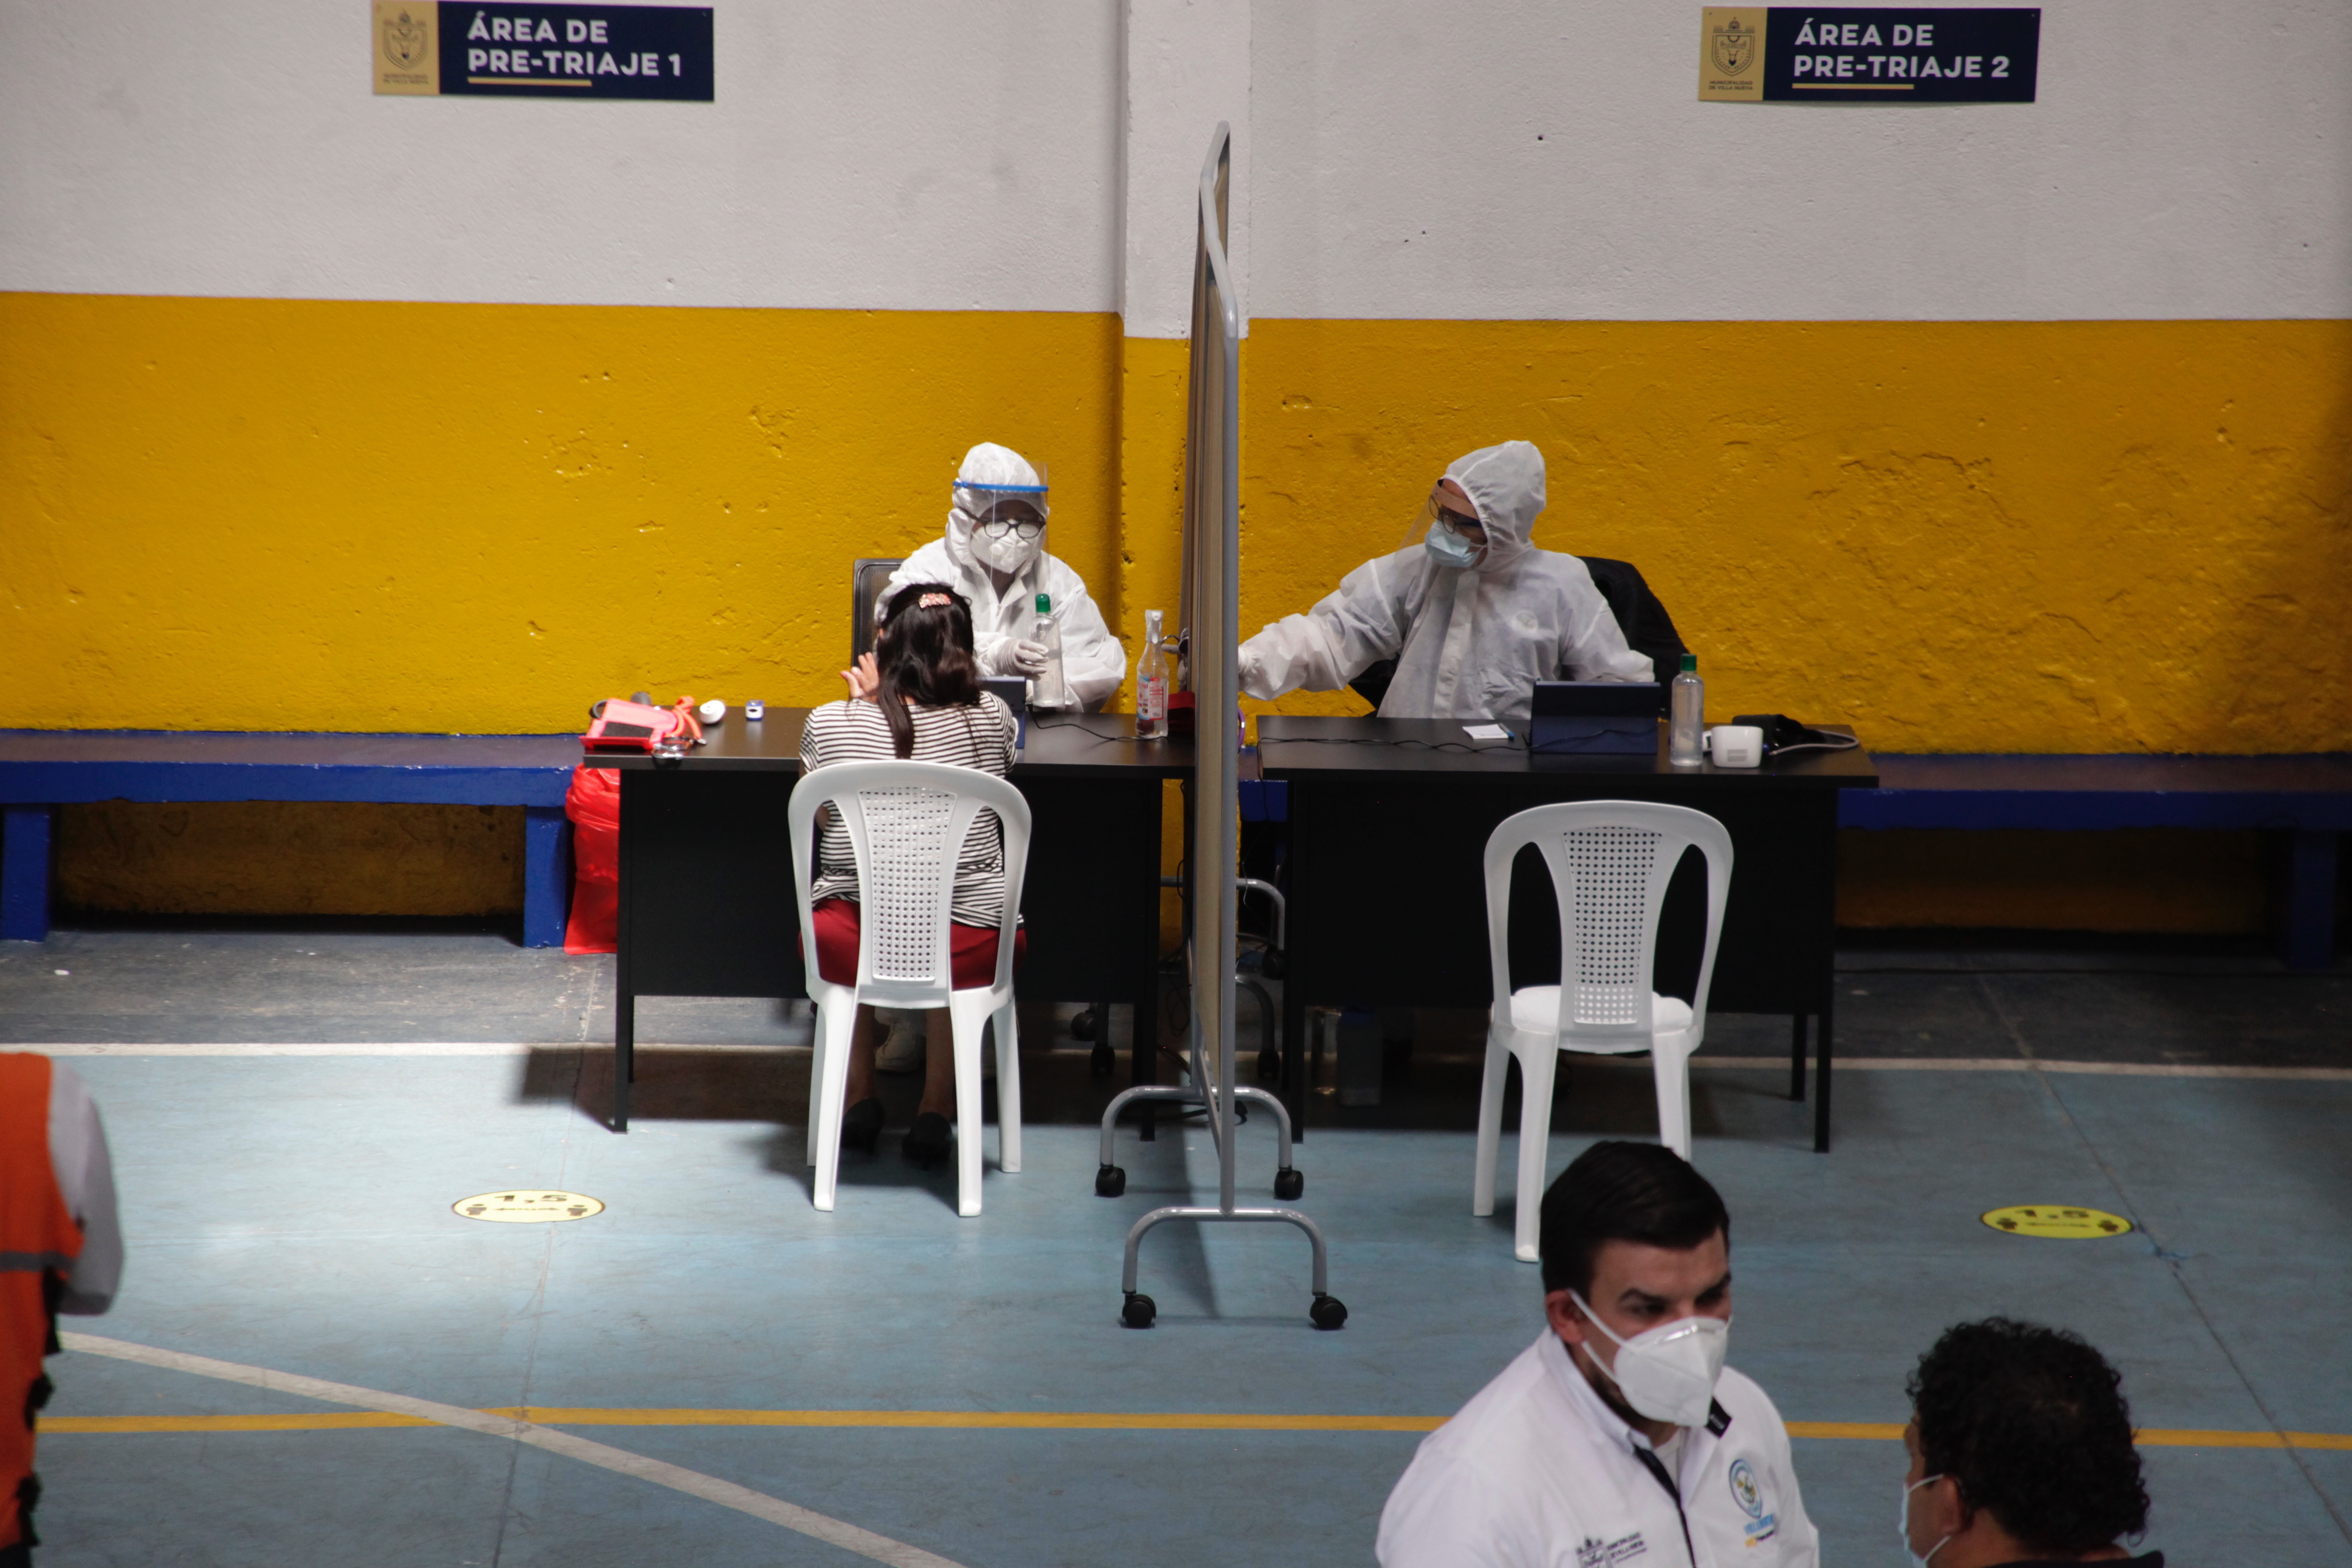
x=1008, y=1091
x=1671, y=1068
x=824, y=1098
x=969, y=1020
x=1536, y=1071
x=816, y=1077
x=1490, y=1125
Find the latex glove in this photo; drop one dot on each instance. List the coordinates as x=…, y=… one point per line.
x=1016, y=656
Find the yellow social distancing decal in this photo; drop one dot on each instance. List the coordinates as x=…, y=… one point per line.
x=527, y=1206
x=2056, y=1221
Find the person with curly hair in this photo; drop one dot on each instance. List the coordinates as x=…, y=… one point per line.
x=2021, y=1453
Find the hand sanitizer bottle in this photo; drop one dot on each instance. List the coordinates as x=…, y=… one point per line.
x=1151, y=682
x=1049, y=691
x=1686, y=698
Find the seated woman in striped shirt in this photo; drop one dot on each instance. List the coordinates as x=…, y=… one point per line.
x=917, y=696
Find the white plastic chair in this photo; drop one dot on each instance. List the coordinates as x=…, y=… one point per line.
x=907, y=824
x=1609, y=862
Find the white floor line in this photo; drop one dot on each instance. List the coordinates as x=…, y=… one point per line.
x=2036, y=1064
x=361, y=1047
x=726, y=1494
x=1780, y=1063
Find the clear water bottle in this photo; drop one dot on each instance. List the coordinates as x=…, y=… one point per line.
x=1049, y=689
x=1687, y=703
x=1151, y=682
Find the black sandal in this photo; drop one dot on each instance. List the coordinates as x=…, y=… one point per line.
x=861, y=1128
x=927, y=1140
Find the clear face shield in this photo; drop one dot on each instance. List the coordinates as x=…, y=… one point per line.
x=1009, y=522
x=1438, y=525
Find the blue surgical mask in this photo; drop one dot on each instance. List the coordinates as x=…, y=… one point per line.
x=1902, y=1526
x=1448, y=548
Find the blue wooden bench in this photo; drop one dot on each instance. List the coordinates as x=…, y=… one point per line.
x=2305, y=799
x=41, y=770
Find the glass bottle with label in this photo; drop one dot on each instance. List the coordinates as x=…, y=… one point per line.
x=1151, y=682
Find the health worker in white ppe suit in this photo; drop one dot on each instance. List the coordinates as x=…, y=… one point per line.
x=1619, y=1439
x=994, y=555
x=1472, y=614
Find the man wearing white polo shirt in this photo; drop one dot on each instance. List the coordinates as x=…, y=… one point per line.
x=1619, y=1439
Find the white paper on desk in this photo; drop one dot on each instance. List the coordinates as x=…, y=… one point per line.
x=1485, y=731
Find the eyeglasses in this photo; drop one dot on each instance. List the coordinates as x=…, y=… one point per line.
x=1026, y=527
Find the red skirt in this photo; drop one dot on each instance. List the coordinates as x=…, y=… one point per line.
x=972, y=949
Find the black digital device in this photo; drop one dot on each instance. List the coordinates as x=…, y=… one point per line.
x=1594, y=718
x=1013, y=691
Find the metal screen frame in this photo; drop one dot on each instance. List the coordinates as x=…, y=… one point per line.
x=1211, y=668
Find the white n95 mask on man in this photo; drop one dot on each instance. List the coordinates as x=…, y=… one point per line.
x=1668, y=1372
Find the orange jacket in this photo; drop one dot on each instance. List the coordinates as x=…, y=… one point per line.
x=39, y=1244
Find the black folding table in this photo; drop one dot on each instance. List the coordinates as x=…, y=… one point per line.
x=1388, y=820
x=706, y=901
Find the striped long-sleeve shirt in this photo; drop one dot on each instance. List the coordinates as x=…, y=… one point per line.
x=980, y=738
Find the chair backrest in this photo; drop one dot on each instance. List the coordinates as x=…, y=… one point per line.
x=1610, y=861
x=906, y=823
x=868, y=575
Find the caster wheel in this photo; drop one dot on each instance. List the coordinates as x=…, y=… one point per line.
x=1288, y=1185
x=1269, y=1064
x=1273, y=965
x=1141, y=1310
x=1082, y=1025
x=1327, y=1312
x=1103, y=1060
x=1109, y=1182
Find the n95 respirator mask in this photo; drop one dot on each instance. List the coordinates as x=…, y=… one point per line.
x=1668, y=1372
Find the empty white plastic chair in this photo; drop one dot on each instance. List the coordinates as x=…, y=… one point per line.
x=1609, y=862
x=906, y=823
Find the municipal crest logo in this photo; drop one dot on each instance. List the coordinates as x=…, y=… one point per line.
x=1744, y=1489
x=1733, y=49
x=406, y=40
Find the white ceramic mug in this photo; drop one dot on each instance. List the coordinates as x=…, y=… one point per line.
x=1735, y=745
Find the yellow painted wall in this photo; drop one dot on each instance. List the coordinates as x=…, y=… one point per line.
x=289, y=514
x=269, y=514
x=2074, y=536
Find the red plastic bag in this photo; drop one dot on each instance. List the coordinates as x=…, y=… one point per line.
x=593, y=805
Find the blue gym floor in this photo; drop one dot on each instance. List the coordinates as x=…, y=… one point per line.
x=292, y=1211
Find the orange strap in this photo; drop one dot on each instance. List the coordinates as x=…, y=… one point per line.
x=38, y=1239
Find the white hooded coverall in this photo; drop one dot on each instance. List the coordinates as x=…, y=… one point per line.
x=1469, y=642
x=1094, y=662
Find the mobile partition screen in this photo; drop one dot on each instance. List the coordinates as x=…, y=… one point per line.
x=1210, y=666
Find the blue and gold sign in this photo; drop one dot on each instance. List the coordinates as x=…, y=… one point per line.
x=438, y=49
x=1786, y=54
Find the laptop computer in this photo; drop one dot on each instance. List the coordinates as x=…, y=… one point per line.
x=1594, y=718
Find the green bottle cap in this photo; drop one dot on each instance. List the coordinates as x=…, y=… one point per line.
x=1690, y=663
x=1044, y=604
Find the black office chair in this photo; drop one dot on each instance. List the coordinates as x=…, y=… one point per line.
x=1643, y=620
x=868, y=575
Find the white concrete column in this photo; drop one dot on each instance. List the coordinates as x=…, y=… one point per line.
x=1188, y=67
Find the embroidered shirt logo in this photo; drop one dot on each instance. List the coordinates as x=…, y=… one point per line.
x=1594, y=1553
x=1760, y=1527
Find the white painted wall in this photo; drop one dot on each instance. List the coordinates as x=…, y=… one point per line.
x=941, y=155
x=2186, y=159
